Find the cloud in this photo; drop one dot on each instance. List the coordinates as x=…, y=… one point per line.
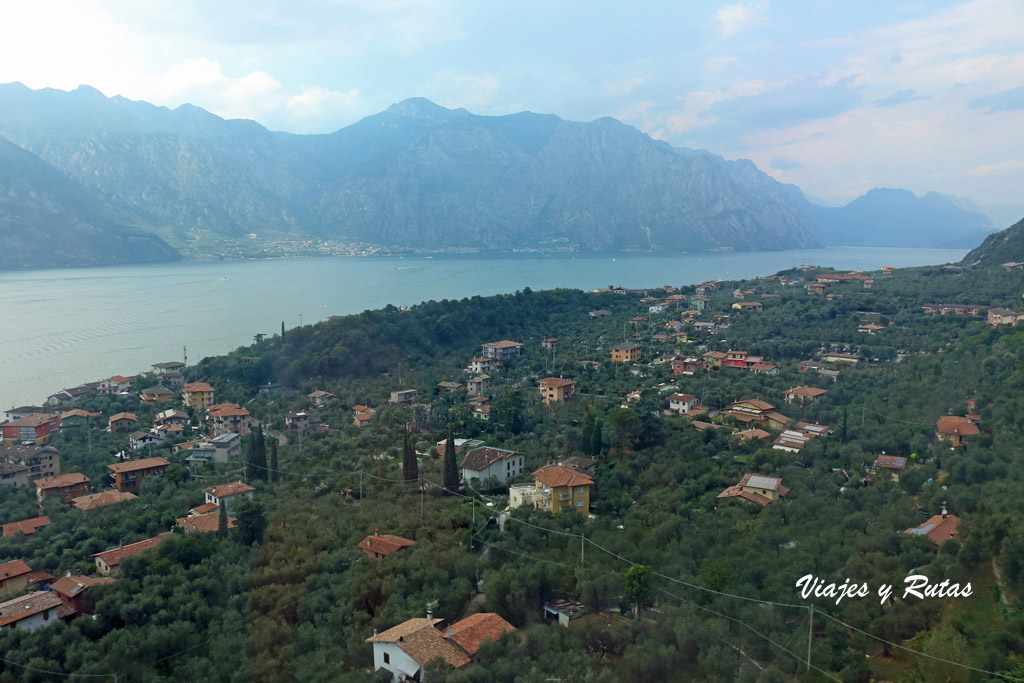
x=623, y=87
x=784, y=164
x=899, y=97
x=717, y=64
x=1001, y=168
x=320, y=108
x=785, y=107
x=738, y=17
x=1006, y=100
x=472, y=91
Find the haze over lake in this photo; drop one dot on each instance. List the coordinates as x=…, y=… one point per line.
x=63, y=327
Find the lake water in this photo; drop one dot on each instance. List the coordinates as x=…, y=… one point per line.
x=63, y=327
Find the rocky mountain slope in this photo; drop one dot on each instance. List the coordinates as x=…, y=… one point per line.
x=46, y=220
x=418, y=176
x=1005, y=246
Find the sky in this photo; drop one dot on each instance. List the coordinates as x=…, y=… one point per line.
x=835, y=96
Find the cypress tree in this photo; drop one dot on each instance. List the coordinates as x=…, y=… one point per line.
x=222, y=522
x=282, y=331
x=410, y=466
x=274, y=475
x=249, y=453
x=596, y=439
x=451, y=472
x=259, y=454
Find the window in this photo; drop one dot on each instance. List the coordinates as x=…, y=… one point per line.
x=579, y=503
x=579, y=489
x=387, y=658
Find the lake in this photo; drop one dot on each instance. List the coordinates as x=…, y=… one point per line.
x=63, y=327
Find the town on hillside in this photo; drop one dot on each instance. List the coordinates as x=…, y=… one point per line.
x=578, y=485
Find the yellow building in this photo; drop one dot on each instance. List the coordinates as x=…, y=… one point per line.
x=13, y=577
x=626, y=352
x=556, y=390
x=197, y=395
x=557, y=487
x=757, y=488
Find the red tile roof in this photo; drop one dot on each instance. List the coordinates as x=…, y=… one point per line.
x=951, y=425
x=756, y=403
x=420, y=640
x=228, y=411
x=13, y=568
x=197, y=387
x=122, y=416
x=503, y=344
x=480, y=458
x=70, y=586
x=204, y=524
x=102, y=499
x=36, y=420
x=25, y=526
x=938, y=529
x=808, y=392
x=384, y=544
x=557, y=382
x=737, y=492
x=204, y=508
x=228, y=490
x=61, y=480
x=77, y=412
x=891, y=462
x=114, y=556
x=554, y=476
x=475, y=629
x=27, y=606
x=136, y=465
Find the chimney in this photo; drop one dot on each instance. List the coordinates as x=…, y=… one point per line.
x=943, y=509
x=374, y=633
x=430, y=614
x=376, y=532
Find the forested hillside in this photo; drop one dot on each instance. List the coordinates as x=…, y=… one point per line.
x=1005, y=246
x=685, y=585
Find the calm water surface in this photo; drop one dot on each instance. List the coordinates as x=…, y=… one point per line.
x=63, y=327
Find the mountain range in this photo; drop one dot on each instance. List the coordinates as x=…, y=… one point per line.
x=128, y=181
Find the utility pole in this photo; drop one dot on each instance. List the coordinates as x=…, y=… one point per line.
x=582, y=539
x=810, y=633
x=360, y=487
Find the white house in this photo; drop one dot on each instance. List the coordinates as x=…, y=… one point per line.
x=405, y=649
x=30, y=612
x=486, y=462
x=228, y=494
x=140, y=440
x=222, y=448
x=681, y=403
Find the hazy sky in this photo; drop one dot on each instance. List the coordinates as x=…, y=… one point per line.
x=834, y=95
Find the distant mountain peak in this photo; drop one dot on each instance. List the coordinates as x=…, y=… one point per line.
x=88, y=91
x=421, y=107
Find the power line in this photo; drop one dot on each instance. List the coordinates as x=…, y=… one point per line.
x=26, y=667
x=250, y=622
x=672, y=579
x=751, y=628
x=917, y=652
